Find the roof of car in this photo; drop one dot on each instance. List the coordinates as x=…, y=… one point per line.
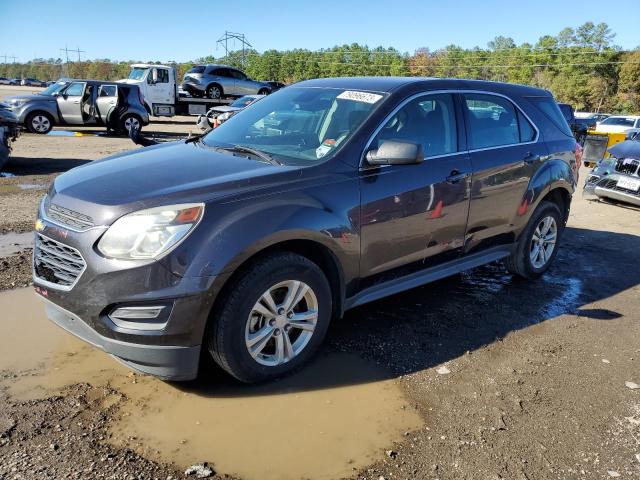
x=389, y=84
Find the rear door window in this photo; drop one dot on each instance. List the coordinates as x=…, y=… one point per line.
x=196, y=69
x=220, y=72
x=107, y=91
x=550, y=109
x=493, y=121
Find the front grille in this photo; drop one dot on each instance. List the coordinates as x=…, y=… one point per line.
x=613, y=185
x=57, y=263
x=628, y=165
x=69, y=218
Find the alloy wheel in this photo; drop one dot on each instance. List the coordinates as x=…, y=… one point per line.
x=41, y=124
x=543, y=242
x=281, y=323
x=131, y=122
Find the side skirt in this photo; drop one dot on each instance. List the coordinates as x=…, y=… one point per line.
x=423, y=277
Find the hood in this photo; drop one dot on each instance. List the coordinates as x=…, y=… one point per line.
x=130, y=81
x=226, y=108
x=26, y=98
x=176, y=172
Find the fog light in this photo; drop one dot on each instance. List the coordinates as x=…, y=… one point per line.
x=140, y=318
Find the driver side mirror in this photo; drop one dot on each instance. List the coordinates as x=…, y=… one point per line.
x=396, y=152
x=154, y=76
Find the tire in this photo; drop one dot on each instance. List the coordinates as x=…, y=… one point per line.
x=214, y=91
x=237, y=327
x=264, y=91
x=39, y=122
x=524, y=262
x=127, y=120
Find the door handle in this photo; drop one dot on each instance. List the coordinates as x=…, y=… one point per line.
x=76, y=101
x=530, y=158
x=455, y=176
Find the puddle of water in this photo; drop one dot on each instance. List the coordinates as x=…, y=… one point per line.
x=11, y=243
x=338, y=413
x=69, y=133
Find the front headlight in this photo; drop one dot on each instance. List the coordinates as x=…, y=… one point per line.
x=224, y=116
x=150, y=233
x=17, y=103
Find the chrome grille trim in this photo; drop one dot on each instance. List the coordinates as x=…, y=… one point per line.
x=65, y=263
x=68, y=218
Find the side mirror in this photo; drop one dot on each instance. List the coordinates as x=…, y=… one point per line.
x=154, y=75
x=396, y=152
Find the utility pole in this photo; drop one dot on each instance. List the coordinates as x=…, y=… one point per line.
x=224, y=41
x=66, y=63
x=79, y=52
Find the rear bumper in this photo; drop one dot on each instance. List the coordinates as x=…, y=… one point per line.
x=166, y=362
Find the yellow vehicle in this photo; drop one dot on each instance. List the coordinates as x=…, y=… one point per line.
x=596, y=145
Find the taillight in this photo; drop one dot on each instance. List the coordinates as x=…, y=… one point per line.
x=578, y=153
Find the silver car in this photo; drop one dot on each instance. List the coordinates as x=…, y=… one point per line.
x=218, y=81
x=617, y=177
x=81, y=102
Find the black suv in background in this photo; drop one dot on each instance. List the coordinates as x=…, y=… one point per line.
x=328, y=194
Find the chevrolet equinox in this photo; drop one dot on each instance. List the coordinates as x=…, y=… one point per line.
x=246, y=242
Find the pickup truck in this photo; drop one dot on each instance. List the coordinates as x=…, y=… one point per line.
x=161, y=93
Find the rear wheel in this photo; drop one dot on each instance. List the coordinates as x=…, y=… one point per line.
x=129, y=121
x=538, y=242
x=273, y=319
x=39, y=122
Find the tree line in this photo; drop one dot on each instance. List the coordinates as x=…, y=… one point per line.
x=581, y=66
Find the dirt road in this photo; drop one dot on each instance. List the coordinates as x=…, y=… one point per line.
x=479, y=376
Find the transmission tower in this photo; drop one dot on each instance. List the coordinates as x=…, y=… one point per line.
x=224, y=41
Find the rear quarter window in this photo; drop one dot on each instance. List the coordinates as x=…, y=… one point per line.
x=549, y=108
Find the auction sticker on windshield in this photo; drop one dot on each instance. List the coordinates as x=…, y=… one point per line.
x=365, y=97
x=629, y=184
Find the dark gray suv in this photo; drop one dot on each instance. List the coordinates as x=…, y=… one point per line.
x=245, y=243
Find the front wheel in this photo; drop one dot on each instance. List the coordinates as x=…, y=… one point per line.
x=273, y=319
x=538, y=244
x=214, y=92
x=39, y=122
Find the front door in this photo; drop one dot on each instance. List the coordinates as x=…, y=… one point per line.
x=70, y=103
x=160, y=90
x=505, y=154
x=413, y=216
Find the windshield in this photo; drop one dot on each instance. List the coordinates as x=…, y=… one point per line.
x=299, y=126
x=137, y=73
x=56, y=87
x=243, y=101
x=627, y=122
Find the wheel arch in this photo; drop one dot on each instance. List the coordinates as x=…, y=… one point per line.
x=216, y=84
x=314, y=250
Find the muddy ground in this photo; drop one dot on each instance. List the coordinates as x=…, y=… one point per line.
x=479, y=376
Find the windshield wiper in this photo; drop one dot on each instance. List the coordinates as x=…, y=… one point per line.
x=252, y=151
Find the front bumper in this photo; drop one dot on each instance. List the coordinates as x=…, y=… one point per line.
x=166, y=362
x=170, y=350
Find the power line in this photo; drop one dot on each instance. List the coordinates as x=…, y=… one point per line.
x=224, y=41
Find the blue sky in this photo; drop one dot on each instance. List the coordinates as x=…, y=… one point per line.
x=184, y=30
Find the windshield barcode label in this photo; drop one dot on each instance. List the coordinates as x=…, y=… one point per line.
x=365, y=97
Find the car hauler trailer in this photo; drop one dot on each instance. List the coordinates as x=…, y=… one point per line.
x=161, y=91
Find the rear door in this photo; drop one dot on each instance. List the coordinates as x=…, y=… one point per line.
x=505, y=154
x=415, y=215
x=107, y=100
x=70, y=103
x=226, y=81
